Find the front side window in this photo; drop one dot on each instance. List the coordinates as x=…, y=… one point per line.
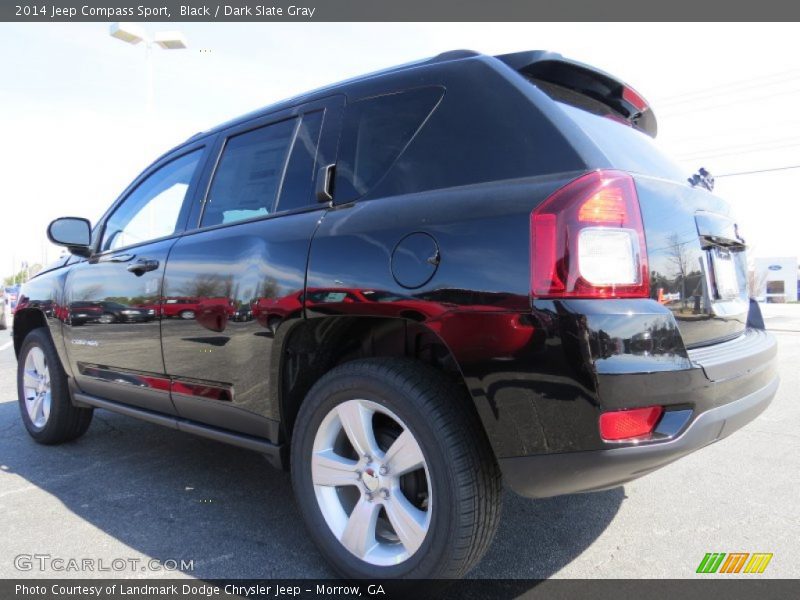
x=151, y=211
x=248, y=177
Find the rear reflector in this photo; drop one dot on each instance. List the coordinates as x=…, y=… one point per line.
x=628, y=424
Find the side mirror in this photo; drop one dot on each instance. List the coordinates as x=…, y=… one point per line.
x=73, y=232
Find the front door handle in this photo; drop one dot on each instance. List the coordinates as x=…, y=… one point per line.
x=142, y=266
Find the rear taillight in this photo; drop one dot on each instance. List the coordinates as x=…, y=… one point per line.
x=587, y=240
x=621, y=425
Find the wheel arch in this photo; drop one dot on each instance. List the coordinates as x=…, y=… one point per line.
x=25, y=321
x=312, y=347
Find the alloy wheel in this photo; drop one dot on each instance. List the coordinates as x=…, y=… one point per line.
x=36, y=387
x=371, y=482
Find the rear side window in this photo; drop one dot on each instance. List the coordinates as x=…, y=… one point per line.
x=247, y=179
x=297, y=184
x=374, y=134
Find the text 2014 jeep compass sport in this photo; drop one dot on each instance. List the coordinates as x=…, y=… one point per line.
x=405, y=288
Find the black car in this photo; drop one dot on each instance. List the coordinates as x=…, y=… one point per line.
x=561, y=309
x=243, y=313
x=107, y=312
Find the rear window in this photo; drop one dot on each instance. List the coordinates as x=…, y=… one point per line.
x=374, y=134
x=627, y=149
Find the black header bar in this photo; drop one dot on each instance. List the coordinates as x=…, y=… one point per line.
x=399, y=10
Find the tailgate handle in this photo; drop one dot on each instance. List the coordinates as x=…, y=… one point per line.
x=715, y=229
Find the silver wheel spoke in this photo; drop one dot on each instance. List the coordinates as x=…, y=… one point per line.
x=404, y=455
x=35, y=410
x=359, y=534
x=46, y=402
x=38, y=361
x=328, y=468
x=357, y=423
x=407, y=520
x=31, y=379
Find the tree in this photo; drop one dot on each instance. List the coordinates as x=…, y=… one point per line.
x=209, y=286
x=269, y=288
x=756, y=282
x=678, y=255
x=23, y=275
x=91, y=292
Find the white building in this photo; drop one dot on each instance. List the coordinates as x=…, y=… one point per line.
x=776, y=279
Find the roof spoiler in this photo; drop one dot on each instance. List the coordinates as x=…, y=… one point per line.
x=588, y=81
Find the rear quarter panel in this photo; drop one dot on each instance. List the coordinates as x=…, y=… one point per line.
x=477, y=301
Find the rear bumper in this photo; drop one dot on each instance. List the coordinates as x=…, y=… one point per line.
x=749, y=366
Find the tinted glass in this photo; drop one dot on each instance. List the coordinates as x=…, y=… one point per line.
x=330, y=297
x=375, y=132
x=151, y=211
x=297, y=184
x=377, y=296
x=247, y=179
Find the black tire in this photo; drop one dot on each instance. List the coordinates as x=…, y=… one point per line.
x=463, y=472
x=65, y=422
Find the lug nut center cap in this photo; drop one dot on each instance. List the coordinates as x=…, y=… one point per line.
x=370, y=479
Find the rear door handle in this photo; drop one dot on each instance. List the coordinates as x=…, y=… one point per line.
x=143, y=265
x=324, y=191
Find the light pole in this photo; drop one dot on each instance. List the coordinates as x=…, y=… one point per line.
x=132, y=33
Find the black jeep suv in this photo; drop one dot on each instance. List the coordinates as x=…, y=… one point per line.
x=454, y=272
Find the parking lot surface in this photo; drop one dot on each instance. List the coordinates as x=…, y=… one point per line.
x=134, y=491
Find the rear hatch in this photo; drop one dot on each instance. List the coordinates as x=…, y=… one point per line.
x=698, y=264
x=696, y=257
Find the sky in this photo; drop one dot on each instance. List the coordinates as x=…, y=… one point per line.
x=76, y=128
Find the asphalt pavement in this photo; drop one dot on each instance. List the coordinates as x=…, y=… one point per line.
x=133, y=491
